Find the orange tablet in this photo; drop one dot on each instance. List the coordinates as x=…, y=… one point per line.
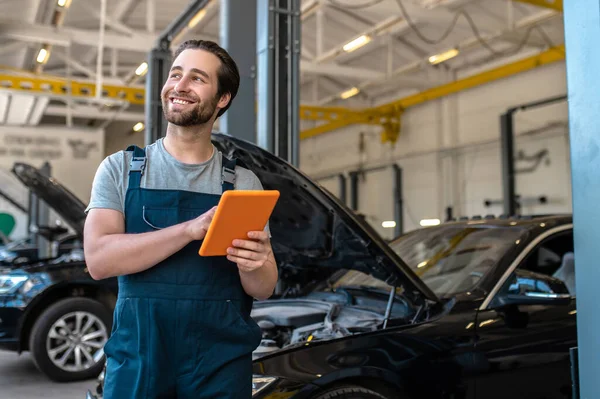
x=238, y=212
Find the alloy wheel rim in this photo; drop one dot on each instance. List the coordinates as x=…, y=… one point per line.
x=76, y=340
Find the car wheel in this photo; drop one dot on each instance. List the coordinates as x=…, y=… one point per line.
x=67, y=340
x=350, y=393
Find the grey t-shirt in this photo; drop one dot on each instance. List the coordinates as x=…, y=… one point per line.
x=165, y=172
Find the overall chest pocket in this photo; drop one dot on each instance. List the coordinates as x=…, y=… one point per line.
x=160, y=218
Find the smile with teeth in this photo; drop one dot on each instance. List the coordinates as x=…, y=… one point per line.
x=178, y=101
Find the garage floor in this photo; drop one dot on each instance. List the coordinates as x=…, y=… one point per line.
x=20, y=379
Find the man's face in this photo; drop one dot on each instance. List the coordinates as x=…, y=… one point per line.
x=189, y=96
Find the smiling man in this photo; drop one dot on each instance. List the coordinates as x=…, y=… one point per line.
x=182, y=325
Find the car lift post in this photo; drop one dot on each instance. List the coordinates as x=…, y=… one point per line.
x=278, y=55
x=582, y=33
x=507, y=135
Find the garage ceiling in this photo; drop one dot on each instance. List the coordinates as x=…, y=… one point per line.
x=354, y=52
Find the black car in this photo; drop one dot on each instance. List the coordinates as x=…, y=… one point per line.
x=482, y=308
x=52, y=307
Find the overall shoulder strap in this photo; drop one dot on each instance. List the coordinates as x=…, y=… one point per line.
x=136, y=166
x=227, y=173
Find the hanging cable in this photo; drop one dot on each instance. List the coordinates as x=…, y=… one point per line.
x=475, y=30
x=421, y=36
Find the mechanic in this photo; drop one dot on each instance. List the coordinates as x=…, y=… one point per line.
x=181, y=325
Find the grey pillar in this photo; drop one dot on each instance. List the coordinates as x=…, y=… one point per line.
x=159, y=63
x=582, y=32
x=238, y=37
x=278, y=50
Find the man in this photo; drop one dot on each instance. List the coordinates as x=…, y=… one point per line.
x=182, y=325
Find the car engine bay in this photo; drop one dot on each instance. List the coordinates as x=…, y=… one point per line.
x=290, y=322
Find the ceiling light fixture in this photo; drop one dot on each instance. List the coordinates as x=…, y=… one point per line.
x=445, y=56
x=42, y=56
x=142, y=69
x=429, y=222
x=356, y=43
x=349, y=93
x=138, y=127
x=388, y=224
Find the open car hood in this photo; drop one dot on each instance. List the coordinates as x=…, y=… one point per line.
x=70, y=208
x=312, y=230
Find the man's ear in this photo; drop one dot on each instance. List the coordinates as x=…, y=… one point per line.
x=224, y=100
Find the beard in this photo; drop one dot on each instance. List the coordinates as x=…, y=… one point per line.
x=200, y=114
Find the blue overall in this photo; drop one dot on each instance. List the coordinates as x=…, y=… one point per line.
x=182, y=329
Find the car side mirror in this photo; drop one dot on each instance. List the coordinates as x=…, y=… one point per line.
x=528, y=288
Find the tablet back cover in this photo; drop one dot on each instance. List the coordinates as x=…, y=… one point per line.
x=238, y=212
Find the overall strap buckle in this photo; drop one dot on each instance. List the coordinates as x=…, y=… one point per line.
x=138, y=159
x=228, y=175
x=138, y=164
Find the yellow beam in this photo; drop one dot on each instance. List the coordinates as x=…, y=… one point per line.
x=388, y=115
x=553, y=4
x=549, y=56
x=59, y=87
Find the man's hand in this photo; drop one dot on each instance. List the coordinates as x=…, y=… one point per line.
x=256, y=264
x=197, y=228
x=252, y=254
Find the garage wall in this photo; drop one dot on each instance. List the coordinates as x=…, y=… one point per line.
x=449, y=151
x=73, y=154
x=118, y=139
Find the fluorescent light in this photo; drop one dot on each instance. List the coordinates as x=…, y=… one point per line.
x=62, y=3
x=388, y=224
x=42, y=56
x=445, y=56
x=349, y=93
x=142, y=69
x=197, y=18
x=356, y=43
x=138, y=127
x=429, y=222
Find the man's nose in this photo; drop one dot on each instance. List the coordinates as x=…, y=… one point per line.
x=182, y=85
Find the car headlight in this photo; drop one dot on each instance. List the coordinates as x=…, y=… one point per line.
x=260, y=383
x=7, y=256
x=11, y=282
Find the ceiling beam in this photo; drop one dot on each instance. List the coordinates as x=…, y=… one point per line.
x=118, y=15
x=111, y=22
x=465, y=45
x=141, y=42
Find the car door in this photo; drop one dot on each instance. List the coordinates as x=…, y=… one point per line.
x=527, y=329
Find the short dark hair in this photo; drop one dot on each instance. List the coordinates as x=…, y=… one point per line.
x=228, y=74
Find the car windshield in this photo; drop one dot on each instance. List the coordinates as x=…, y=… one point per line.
x=452, y=259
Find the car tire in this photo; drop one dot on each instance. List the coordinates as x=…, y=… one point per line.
x=350, y=393
x=66, y=331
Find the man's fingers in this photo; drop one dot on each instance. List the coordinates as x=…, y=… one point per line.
x=244, y=254
x=247, y=244
x=258, y=235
